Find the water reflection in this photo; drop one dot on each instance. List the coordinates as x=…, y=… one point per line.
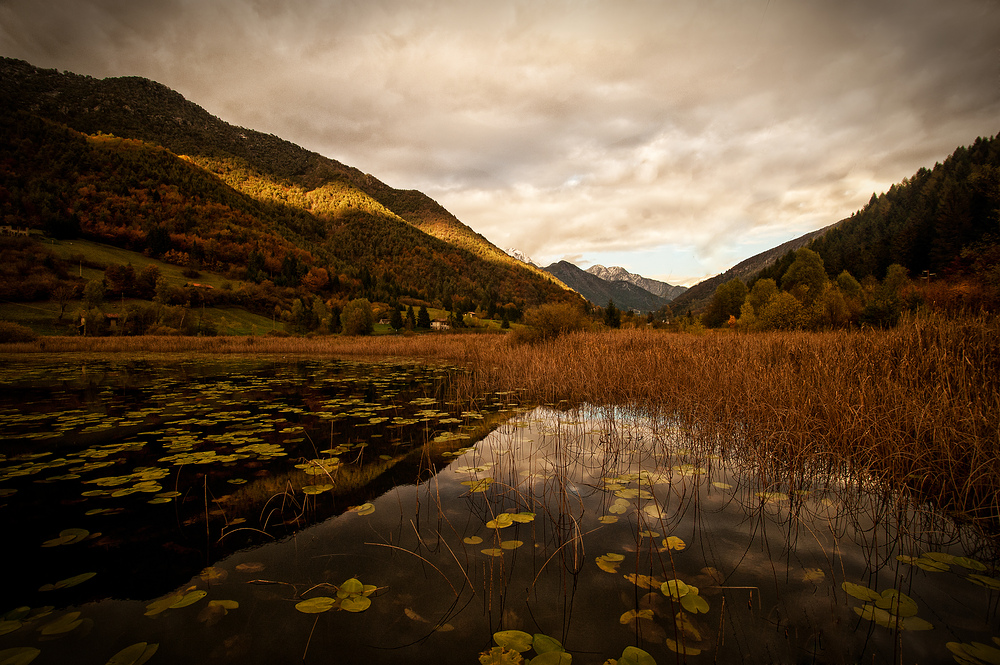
x=599, y=528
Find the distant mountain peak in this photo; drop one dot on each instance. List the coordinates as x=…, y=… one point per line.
x=619, y=274
x=520, y=256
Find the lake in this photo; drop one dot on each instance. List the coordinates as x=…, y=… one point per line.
x=264, y=510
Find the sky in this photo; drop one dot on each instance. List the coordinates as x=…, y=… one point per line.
x=674, y=138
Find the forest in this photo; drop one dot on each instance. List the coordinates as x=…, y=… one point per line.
x=930, y=242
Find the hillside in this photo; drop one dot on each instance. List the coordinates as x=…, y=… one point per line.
x=942, y=222
x=698, y=295
x=626, y=296
x=657, y=288
x=130, y=162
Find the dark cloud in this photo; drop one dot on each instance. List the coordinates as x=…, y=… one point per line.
x=704, y=127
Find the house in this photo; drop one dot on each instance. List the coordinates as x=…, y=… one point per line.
x=440, y=324
x=9, y=230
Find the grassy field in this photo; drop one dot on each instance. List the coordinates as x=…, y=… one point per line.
x=916, y=407
x=104, y=255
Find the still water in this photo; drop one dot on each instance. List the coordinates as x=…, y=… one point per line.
x=276, y=510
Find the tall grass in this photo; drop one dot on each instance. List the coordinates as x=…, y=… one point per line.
x=916, y=407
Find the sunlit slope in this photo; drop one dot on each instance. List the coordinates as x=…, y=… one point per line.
x=339, y=216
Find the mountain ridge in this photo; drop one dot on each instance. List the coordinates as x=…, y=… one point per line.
x=657, y=288
x=276, y=173
x=626, y=295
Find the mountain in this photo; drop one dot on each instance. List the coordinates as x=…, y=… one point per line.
x=699, y=294
x=657, y=288
x=520, y=256
x=627, y=296
x=130, y=162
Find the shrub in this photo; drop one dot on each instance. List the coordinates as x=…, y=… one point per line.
x=12, y=333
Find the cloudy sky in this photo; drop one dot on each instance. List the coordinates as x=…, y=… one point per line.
x=672, y=137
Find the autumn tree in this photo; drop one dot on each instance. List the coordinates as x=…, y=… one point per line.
x=357, y=318
x=726, y=302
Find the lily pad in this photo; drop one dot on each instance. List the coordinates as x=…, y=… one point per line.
x=682, y=649
x=316, y=605
x=493, y=551
x=674, y=543
x=897, y=603
x=18, y=655
x=693, y=602
x=675, y=589
x=137, y=654
x=860, y=592
x=472, y=540
x=501, y=521
x=609, y=562
x=523, y=517
x=317, y=489
x=632, y=615
x=67, y=537
x=511, y=544
x=63, y=624
x=516, y=640
x=189, y=598
x=983, y=580
x=545, y=644
x=355, y=603
x=636, y=656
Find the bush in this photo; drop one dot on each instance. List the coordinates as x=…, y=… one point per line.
x=12, y=333
x=550, y=321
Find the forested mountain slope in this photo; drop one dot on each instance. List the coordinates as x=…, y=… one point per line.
x=176, y=181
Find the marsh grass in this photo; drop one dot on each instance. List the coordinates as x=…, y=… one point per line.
x=915, y=409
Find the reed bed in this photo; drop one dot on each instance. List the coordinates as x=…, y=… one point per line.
x=916, y=408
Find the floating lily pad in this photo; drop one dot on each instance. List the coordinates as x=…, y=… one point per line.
x=472, y=540
x=693, y=602
x=983, y=580
x=250, y=567
x=813, y=575
x=523, y=517
x=355, y=604
x=644, y=581
x=860, y=592
x=480, y=485
x=636, y=656
x=511, y=544
x=501, y=521
x=607, y=519
x=682, y=649
x=543, y=644
x=515, y=640
x=9, y=626
x=317, y=489
x=64, y=624
x=675, y=589
x=493, y=551
x=214, y=574
x=674, y=543
x=971, y=564
x=897, y=603
x=68, y=582
x=316, y=605
x=975, y=652
x=18, y=655
x=632, y=615
x=190, y=598
x=363, y=509
x=609, y=562
x=67, y=537
x=137, y=654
